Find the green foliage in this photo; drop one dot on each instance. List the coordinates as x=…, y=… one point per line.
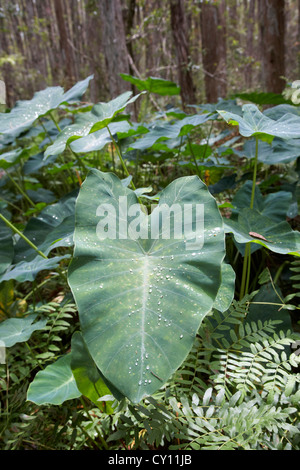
x=232, y=380
x=150, y=271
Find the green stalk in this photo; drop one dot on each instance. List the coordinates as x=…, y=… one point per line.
x=45, y=130
x=247, y=257
x=254, y=174
x=10, y=225
x=194, y=158
x=245, y=272
x=79, y=161
x=20, y=190
x=121, y=158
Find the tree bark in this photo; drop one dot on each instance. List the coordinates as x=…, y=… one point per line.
x=180, y=36
x=114, y=45
x=250, y=12
x=272, y=35
x=213, y=36
x=64, y=43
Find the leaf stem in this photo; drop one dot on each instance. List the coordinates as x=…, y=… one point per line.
x=254, y=174
x=10, y=225
x=20, y=190
x=124, y=166
x=79, y=161
x=194, y=157
x=247, y=257
x=120, y=157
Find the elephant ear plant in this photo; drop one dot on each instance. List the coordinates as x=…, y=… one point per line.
x=143, y=283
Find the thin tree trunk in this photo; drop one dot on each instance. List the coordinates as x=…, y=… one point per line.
x=213, y=51
x=64, y=43
x=250, y=15
x=179, y=31
x=114, y=45
x=272, y=30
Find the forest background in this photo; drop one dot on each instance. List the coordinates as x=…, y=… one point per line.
x=210, y=48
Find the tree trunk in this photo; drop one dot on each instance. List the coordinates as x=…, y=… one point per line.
x=250, y=12
x=272, y=31
x=213, y=37
x=64, y=43
x=114, y=45
x=179, y=32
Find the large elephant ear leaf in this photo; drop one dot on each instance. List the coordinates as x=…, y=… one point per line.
x=255, y=123
x=143, y=284
x=25, y=113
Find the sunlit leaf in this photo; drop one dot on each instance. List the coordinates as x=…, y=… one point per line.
x=100, y=116
x=25, y=113
x=156, y=85
x=55, y=384
x=255, y=123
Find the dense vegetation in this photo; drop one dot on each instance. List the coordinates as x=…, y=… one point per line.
x=235, y=381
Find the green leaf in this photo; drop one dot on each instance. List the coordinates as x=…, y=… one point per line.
x=10, y=158
x=262, y=98
x=279, y=237
x=88, y=378
x=55, y=384
x=265, y=312
x=97, y=140
x=100, y=116
x=52, y=228
x=274, y=205
x=171, y=131
x=18, y=330
x=255, y=123
x=226, y=290
x=280, y=151
x=23, y=115
x=105, y=112
x=28, y=270
x=142, y=300
x=159, y=86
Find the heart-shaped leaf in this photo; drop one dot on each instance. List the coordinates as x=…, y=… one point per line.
x=251, y=226
x=274, y=205
x=100, y=116
x=280, y=151
x=55, y=384
x=18, y=330
x=141, y=290
x=255, y=123
x=97, y=140
x=171, y=131
x=23, y=115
